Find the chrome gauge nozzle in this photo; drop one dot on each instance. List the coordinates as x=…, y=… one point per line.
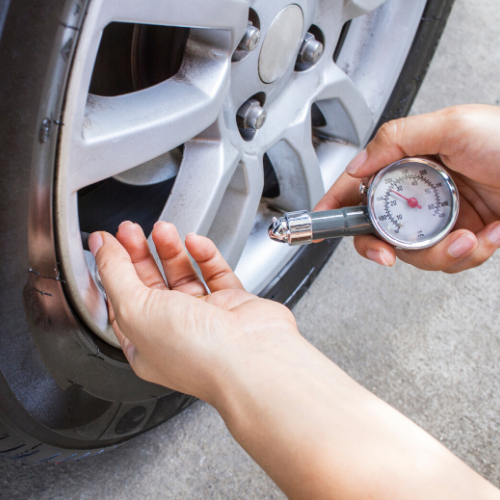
x=278, y=230
x=294, y=228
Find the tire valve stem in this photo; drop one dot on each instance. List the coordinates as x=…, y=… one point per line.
x=99, y=284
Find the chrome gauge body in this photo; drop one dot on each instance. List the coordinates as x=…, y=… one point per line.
x=413, y=203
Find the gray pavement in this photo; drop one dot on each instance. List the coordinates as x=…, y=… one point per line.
x=427, y=343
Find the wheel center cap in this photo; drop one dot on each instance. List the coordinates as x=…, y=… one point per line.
x=281, y=45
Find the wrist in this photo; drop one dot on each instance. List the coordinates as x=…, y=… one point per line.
x=306, y=423
x=249, y=361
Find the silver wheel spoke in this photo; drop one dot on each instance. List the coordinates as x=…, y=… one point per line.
x=120, y=133
x=209, y=163
x=214, y=14
x=297, y=168
x=114, y=134
x=346, y=111
x=135, y=131
x=235, y=218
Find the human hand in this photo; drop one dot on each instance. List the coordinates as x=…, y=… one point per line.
x=178, y=335
x=311, y=427
x=465, y=140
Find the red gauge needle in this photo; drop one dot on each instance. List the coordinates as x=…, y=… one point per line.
x=412, y=202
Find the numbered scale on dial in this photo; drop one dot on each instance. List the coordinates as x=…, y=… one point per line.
x=413, y=203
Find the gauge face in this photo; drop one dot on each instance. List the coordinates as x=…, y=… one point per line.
x=413, y=203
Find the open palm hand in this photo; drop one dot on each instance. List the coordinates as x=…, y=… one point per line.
x=178, y=334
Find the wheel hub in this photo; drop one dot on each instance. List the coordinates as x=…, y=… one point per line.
x=281, y=44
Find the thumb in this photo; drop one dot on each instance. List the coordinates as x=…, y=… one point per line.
x=427, y=134
x=117, y=273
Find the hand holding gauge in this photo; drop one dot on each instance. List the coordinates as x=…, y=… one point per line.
x=411, y=204
x=465, y=140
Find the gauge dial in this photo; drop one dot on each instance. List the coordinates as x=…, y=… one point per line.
x=413, y=203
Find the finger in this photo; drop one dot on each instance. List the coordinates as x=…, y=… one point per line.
x=215, y=270
x=131, y=236
x=120, y=280
x=428, y=134
x=180, y=273
x=343, y=193
x=451, y=250
x=376, y=250
x=488, y=242
x=475, y=211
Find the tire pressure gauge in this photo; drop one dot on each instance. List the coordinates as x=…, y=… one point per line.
x=411, y=204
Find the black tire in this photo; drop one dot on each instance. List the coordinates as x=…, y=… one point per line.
x=64, y=394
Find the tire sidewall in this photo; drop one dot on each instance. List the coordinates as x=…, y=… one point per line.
x=51, y=368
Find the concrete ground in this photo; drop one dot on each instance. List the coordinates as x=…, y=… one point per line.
x=428, y=344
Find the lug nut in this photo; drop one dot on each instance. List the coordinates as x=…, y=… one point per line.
x=250, y=39
x=251, y=115
x=311, y=50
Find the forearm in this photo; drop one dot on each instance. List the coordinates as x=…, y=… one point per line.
x=320, y=435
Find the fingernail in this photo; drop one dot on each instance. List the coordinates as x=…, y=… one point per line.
x=357, y=162
x=494, y=234
x=95, y=242
x=377, y=256
x=462, y=245
x=124, y=223
x=190, y=235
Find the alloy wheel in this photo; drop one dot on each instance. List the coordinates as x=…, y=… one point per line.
x=177, y=135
